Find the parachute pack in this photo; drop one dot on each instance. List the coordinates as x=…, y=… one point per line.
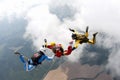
x=36, y=56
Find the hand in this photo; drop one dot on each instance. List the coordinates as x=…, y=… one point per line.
x=45, y=40
x=72, y=30
x=43, y=46
x=71, y=42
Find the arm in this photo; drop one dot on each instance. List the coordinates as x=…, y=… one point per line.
x=43, y=57
x=46, y=44
x=50, y=58
x=77, y=42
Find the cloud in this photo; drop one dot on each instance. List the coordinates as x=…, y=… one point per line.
x=17, y=8
x=44, y=24
x=64, y=9
x=40, y=25
x=102, y=15
x=114, y=64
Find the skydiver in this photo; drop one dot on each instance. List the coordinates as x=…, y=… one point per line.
x=58, y=49
x=82, y=38
x=35, y=60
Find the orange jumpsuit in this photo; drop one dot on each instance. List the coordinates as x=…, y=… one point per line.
x=59, y=51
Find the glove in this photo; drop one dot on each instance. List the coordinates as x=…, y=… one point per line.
x=43, y=46
x=71, y=42
x=45, y=40
x=72, y=30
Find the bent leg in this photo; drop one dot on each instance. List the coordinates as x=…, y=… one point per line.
x=28, y=67
x=93, y=41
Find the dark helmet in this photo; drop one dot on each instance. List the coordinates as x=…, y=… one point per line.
x=74, y=36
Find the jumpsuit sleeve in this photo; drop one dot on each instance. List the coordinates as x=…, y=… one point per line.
x=68, y=51
x=50, y=58
x=43, y=57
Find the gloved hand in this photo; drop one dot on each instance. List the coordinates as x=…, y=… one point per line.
x=45, y=40
x=71, y=42
x=72, y=30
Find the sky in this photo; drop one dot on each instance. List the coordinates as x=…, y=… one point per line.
x=51, y=19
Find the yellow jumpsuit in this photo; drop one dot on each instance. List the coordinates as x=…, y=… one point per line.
x=83, y=38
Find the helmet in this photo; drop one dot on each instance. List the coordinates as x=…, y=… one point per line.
x=74, y=36
x=52, y=44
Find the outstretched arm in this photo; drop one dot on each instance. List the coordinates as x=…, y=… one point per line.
x=46, y=45
x=77, y=42
x=50, y=58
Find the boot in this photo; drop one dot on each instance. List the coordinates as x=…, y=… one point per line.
x=94, y=35
x=17, y=53
x=87, y=29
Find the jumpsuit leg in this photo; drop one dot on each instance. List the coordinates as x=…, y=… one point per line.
x=29, y=67
x=93, y=41
x=22, y=59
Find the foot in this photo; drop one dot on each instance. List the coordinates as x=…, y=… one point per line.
x=17, y=53
x=87, y=29
x=95, y=34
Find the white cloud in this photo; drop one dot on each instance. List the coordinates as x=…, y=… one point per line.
x=18, y=8
x=114, y=64
x=40, y=25
x=103, y=15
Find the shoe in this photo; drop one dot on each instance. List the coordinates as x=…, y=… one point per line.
x=95, y=34
x=87, y=29
x=17, y=53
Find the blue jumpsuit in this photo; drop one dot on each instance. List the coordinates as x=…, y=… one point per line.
x=29, y=66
